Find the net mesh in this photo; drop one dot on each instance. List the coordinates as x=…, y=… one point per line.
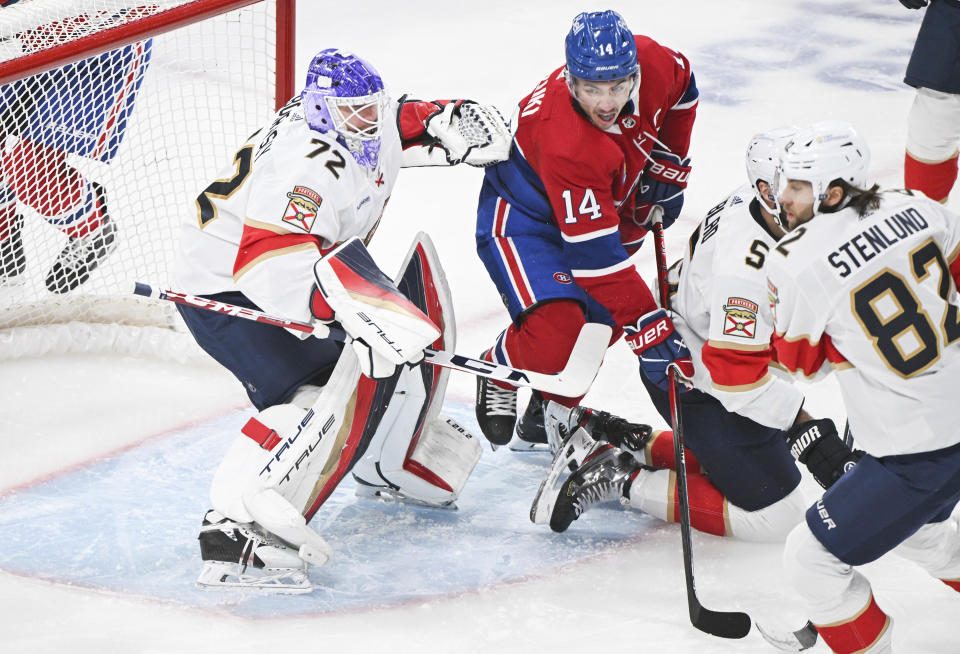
x=103, y=158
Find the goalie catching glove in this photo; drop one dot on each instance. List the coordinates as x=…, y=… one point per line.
x=387, y=329
x=472, y=133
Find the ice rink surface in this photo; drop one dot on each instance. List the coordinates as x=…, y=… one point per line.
x=107, y=459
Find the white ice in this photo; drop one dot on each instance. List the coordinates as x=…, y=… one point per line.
x=106, y=460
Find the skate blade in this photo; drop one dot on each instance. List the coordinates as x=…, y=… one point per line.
x=389, y=496
x=218, y=575
x=517, y=444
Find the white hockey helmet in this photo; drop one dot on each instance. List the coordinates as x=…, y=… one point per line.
x=763, y=158
x=823, y=152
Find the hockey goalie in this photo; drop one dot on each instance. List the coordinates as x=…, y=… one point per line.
x=283, y=230
x=387, y=431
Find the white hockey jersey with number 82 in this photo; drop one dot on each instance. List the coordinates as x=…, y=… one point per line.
x=875, y=296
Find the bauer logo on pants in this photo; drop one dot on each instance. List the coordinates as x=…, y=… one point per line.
x=741, y=317
x=302, y=209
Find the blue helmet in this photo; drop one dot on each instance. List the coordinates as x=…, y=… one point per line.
x=600, y=47
x=344, y=93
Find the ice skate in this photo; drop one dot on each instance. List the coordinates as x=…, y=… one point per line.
x=602, y=477
x=576, y=447
x=390, y=495
x=82, y=255
x=496, y=411
x=530, y=434
x=242, y=555
x=13, y=259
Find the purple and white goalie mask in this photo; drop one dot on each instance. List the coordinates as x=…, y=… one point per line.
x=345, y=94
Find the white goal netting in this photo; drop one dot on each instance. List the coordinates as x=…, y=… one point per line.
x=103, y=158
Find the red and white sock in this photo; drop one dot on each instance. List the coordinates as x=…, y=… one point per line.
x=933, y=179
x=542, y=342
x=868, y=631
x=655, y=492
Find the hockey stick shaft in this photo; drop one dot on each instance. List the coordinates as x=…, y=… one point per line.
x=718, y=623
x=574, y=380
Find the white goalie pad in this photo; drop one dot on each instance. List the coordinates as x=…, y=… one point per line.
x=273, y=471
x=369, y=305
x=414, y=460
x=416, y=455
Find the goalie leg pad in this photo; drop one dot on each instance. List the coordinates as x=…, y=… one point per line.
x=411, y=459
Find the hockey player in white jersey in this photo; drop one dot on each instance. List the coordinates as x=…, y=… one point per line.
x=866, y=282
x=738, y=416
x=282, y=229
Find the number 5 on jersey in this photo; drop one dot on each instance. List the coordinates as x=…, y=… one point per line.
x=588, y=205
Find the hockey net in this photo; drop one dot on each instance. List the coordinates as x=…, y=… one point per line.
x=166, y=90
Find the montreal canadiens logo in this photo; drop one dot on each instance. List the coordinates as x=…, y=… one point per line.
x=563, y=277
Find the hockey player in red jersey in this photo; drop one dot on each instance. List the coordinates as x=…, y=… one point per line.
x=282, y=229
x=598, y=142
x=738, y=418
x=79, y=109
x=866, y=283
x=933, y=124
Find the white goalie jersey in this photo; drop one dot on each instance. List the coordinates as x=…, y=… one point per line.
x=876, y=298
x=724, y=315
x=290, y=195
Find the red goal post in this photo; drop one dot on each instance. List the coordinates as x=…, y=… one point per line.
x=213, y=72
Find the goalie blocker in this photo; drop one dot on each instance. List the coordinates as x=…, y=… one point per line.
x=387, y=431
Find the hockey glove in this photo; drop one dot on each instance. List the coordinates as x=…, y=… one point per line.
x=663, y=183
x=471, y=133
x=815, y=443
x=914, y=4
x=658, y=346
x=373, y=364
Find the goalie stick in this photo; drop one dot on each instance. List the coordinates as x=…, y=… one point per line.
x=573, y=381
x=725, y=624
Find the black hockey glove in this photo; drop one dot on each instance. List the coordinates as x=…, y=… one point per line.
x=815, y=443
x=914, y=4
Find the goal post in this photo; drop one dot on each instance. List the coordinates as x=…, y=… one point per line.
x=130, y=107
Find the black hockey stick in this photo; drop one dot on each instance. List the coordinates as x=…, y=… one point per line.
x=574, y=380
x=725, y=624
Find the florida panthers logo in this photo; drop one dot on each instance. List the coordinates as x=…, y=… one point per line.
x=302, y=209
x=741, y=317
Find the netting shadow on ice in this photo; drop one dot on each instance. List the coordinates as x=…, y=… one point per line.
x=129, y=524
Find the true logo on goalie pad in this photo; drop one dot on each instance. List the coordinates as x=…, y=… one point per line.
x=301, y=211
x=741, y=317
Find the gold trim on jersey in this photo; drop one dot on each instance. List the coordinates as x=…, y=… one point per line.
x=745, y=347
x=741, y=388
x=293, y=249
x=270, y=227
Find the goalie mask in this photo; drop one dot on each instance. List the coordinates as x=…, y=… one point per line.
x=345, y=94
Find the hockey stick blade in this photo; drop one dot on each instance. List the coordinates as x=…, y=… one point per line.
x=796, y=641
x=574, y=380
x=722, y=624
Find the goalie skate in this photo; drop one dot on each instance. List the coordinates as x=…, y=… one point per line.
x=391, y=495
x=242, y=555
